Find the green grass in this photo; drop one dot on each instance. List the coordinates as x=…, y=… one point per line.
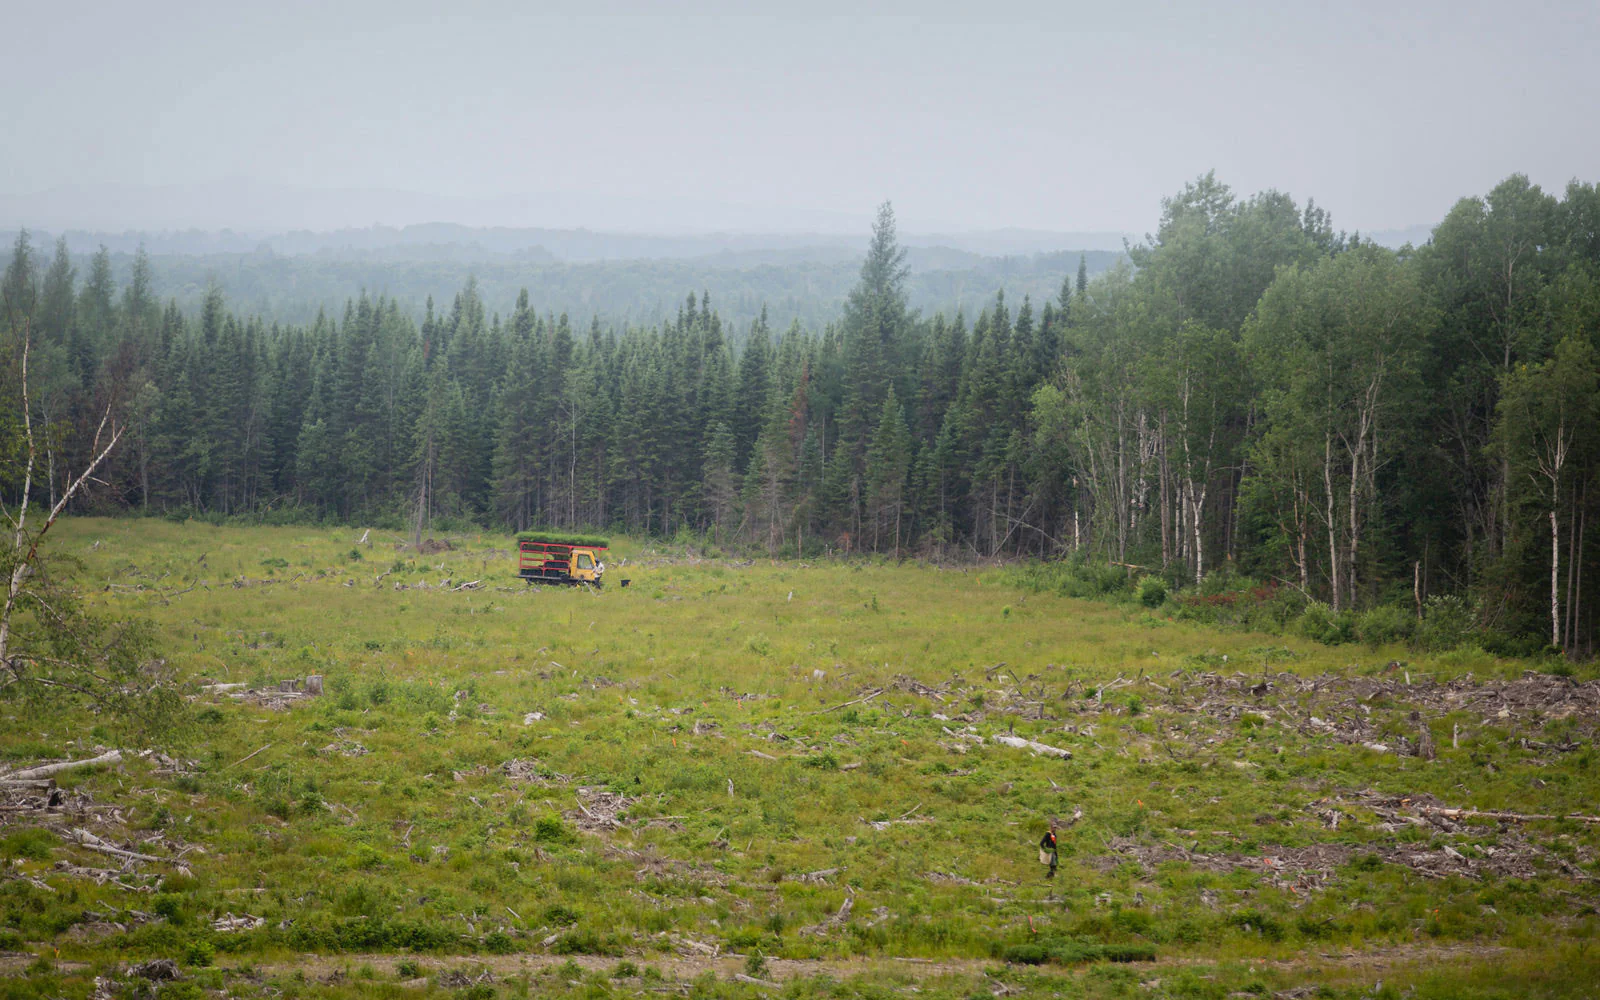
x=380, y=823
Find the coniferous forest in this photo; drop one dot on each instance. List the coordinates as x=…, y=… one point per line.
x=1256, y=403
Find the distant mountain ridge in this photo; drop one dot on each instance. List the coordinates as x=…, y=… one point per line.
x=442, y=240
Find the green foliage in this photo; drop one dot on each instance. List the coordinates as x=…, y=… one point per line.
x=1447, y=622
x=30, y=843
x=564, y=538
x=1075, y=952
x=499, y=943
x=199, y=953
x=551, y=830
x=755, y=964
x=1152, y=591
x=1326, y=374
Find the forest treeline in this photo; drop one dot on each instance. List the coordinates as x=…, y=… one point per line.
x=804, y=283
x=1256, y=397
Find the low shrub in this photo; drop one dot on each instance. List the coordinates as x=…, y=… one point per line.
x=1152, y=591
x=587, y=942
x=499, y=943
x=1384, y=624
x=1076, y=952
x=362, y=934
x=1447, y=623
x=551, y=830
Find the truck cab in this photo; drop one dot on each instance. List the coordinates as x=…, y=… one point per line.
x=586, y=566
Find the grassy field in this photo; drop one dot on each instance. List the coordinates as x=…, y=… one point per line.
x=528, y=792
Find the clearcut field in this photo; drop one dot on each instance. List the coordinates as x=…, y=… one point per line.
x=663, y=788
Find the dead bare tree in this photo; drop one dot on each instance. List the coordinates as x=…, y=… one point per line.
x=24, y=550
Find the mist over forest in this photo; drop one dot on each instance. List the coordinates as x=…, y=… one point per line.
x=618, y=278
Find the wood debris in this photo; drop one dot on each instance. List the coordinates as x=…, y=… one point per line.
x=1032, y=745
x=599, y=810
x=43, y=771
x=228, y=923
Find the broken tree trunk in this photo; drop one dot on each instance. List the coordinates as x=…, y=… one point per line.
x=47, y=770
x=1425, y=741
x=1044, y=748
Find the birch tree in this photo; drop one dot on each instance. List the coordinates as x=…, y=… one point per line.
x=1544, y=408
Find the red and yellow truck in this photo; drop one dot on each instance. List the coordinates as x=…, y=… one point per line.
x=547, y=557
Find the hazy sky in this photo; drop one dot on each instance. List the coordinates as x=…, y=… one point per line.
x=1048, y=115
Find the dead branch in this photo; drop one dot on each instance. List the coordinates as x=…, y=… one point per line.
x=246, y=757
x=847, y=704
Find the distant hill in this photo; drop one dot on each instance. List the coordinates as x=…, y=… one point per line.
x=807, y=284
x=439, y=240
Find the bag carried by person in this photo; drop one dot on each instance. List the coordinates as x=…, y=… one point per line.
x=1044, y=856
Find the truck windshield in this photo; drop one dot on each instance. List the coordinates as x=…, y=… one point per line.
x=584, y=562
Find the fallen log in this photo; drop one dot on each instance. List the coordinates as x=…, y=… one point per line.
x=47, y=770
x=1022, y=744
x=93, y=843
x=1511, y=817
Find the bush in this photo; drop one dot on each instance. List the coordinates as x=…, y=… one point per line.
x=755, y=964
x=1152, y=591
x=1026, y=954
x=1447, y=622
x=1076, y=577
x=168, y=906
x=586, y=942
x=1322, y=624
x=199, y=954
x=551, y=830
x=1386, y=623
x=31, y=843
x=360, y=934
x=1076, y=951
x=499, y=943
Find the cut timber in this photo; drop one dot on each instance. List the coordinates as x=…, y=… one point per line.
x=1497, y=816
x=47, y=770
x=1022, y=744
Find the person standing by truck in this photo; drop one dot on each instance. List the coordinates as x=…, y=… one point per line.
x=1047, y=849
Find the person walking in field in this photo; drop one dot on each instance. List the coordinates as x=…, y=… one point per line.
x=1047, y=849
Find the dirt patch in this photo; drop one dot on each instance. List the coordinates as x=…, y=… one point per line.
x=687, y=963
